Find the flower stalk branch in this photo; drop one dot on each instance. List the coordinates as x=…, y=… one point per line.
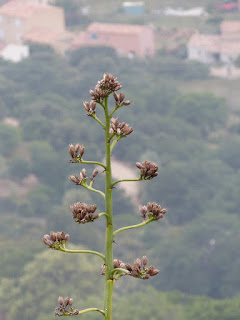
x=144, y=223
x=126, y=180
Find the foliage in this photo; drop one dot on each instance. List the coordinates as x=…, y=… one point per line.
x=198, y=178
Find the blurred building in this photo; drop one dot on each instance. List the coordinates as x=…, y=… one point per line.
x=216, y=48
x=127, y=40
x=14, y=52
x=133, y=8
x=26, y=21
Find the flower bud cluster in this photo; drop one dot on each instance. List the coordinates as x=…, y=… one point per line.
x=83, y=213
x=79, y=179
x=120, y=129
x=65, y=307
x=148, y=169
x=90, y=107
x=139, y=269
x=119, y=99
x=104, y=87
x=76, y=151
x=156, y=212
x=55, y=239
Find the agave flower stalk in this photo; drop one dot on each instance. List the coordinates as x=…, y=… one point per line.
x=112, y=269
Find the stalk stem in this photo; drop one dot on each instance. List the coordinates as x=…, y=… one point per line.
x=122, y=180
x=109, y=223
x=132, y=227
x=83, y=251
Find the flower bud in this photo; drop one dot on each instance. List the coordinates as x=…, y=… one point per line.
x=60, y=300
x=66, y=301
x=81, y=150
x=59, y=236
x=75, y=312
x=71, y=150
x=67, y=237
x=53, y=236
x=121, y=97
x=86, y=106
x=144, y=261
x=116, y=96
x=95, y=172
x=126, y=103
x=138, y=263
x=139, y=165
x=84, y=173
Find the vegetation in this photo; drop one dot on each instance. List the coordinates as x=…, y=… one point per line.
x=195, y=248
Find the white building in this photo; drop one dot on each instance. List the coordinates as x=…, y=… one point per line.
x=14, y=53
x=209, y=48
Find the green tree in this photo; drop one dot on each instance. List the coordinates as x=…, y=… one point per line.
x=10, y=138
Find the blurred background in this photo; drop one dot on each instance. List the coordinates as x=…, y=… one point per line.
x=178, y=62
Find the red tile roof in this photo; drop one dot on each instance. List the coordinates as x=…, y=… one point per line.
x=116, y=28
x=22, y=10
x=46, y=36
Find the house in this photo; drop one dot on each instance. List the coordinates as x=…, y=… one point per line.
x=204, y=48
x=127, y=40
x=14, y=52
x=216, y=48
x=133, y=8
x=20, y=17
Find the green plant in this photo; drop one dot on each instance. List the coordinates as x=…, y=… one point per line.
x=83, y=213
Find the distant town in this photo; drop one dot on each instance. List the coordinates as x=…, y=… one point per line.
x=23, y=22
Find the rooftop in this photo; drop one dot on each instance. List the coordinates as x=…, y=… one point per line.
x=22, y=10
x=46, y=36
x=116, y=28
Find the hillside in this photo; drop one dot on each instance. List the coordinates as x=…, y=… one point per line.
x=184, y=120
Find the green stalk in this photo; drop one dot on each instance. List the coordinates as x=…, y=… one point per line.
x=109, y=227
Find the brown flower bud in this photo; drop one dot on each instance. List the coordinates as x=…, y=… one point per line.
x=67, y=237
x=121, y=97
x=111, y=131
x=116, y=96
x=72, y=150
x=84, y=173
x=75, y=312
x=103, y=269
x=70, y=301
x=59, y=236
x=116, y=263
x=126, y=103
x=62, y=235
x=81, y=150
x=95, y=172
x=66, y=301
x=60, y=300
x=75, y=179
x=144, y=261
x=154, y=272
x=139, y=165
x=147, y=276
x=93, y=104
x=53, y=236
x=138, y=263
x=86, y=105
x=128, y=267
